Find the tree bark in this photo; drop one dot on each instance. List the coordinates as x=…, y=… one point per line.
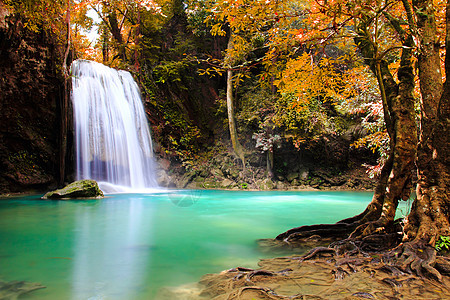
x=429, y=215
x=105, y=46
x=430, y=212
x=395, y=180
x=237, y=147
x=398, y=105
x=64, y=104
x=270, y=163
x=115, y=31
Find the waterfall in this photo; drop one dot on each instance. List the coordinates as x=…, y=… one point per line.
x=112, y=137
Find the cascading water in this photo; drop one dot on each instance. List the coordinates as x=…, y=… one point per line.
x=112, y=137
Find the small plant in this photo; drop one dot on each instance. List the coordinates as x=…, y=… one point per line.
x=244, y=185
x=442, y=242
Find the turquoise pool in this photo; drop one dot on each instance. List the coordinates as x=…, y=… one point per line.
x=127, y=246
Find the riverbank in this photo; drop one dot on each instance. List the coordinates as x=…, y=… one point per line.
x=326, y=277
x=223, y=171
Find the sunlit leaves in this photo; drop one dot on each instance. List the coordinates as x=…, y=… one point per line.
x=117, y=24
x=41, y=15
x=306, y=79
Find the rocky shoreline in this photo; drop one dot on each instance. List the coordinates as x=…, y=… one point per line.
x=223, y=172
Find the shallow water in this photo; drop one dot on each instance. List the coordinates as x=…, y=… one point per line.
x=127, y=246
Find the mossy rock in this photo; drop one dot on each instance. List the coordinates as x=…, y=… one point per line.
x=266, y=184
x=210, y=184
x=226, y=183
x=86, y=188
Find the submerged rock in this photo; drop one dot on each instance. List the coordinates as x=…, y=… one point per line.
x=86, y=188
x=13, y=289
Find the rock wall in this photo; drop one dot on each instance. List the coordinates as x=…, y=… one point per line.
x=30, y=91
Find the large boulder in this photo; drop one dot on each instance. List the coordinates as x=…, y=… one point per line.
x=79, y=189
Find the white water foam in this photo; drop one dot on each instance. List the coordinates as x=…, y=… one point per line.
x=112, y=138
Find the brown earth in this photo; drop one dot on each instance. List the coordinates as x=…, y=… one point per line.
x=329, y=276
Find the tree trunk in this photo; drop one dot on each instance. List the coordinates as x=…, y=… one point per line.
x=429, y=215
x=270, y=163
x=115, y=31
x=430, y=212
x=137, y=41
x=237, y=147
x=105, y=47
x=64, y=104
x=398, y=105
x=404, y=139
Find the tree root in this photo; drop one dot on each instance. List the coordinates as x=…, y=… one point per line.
x=414, y=257
x=342, y=268
x=363, y=295
x=443, y=265
x=350, y=239
x=338, y=230
x=267, y=292
x=339, y=273
x=380, y=242
x=316, y=251
x=250, y=273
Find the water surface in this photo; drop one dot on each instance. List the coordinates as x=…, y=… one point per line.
x=127, y=246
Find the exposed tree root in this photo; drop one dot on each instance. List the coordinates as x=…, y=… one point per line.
x=250, y=273
x=266, y=293
x=316, y=252
x=412, y=257
x=415, y=257
x=344, y=270
x=364, y=295
x=443, y=265
x=338, y=230
x=347, y=240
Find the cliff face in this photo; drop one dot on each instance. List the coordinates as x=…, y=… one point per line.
x=30, y=91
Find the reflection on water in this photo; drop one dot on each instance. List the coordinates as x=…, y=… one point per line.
x=109, y=257
x=127, y=246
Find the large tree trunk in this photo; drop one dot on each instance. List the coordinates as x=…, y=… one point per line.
x=398, y=105
x=429, y=216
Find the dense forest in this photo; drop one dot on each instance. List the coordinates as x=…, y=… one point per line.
x=180, y=61
x=250, y=95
